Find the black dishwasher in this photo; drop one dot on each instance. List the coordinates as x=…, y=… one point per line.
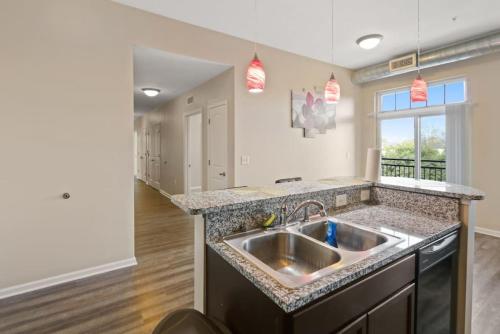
x=436, y=286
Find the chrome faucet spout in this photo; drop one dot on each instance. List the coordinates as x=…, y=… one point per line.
x=305, y=205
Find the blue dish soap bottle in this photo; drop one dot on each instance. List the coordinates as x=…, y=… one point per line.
x=331, y=233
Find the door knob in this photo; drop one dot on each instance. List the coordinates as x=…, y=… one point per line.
x=222, y=174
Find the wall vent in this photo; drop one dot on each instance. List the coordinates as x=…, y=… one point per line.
x=190, y=99
x=403, y=63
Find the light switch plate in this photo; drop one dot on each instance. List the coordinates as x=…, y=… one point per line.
x=245, y=160
x=365, y=194
x=341, y=200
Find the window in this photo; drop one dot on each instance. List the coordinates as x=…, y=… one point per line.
x=439, y=94
x=412, y=136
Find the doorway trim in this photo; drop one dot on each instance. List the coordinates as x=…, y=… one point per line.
x=188, y=114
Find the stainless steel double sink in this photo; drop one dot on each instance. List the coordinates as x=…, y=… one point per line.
x=298, y=254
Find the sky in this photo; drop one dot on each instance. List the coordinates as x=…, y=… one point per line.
x=397, y=130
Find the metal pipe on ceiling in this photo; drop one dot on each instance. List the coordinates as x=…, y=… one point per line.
x=449, y=54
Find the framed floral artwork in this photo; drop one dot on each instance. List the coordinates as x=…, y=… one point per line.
x=311, y=113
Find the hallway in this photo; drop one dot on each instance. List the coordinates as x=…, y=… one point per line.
x=130, y=300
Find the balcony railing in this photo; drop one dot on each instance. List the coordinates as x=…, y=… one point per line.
x=429, y=169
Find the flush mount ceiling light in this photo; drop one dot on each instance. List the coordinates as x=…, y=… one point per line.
x=369, y=42
x=151, y=92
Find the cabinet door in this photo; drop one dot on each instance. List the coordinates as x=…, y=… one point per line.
x=395, y=315
x=356, y=327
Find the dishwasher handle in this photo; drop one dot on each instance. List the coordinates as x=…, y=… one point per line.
x=437, y=251
x=439, y=245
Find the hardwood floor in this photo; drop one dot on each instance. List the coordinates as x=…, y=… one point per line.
x=130, y=300
x=486, y=292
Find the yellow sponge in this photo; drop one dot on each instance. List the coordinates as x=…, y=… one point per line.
x=270, y=220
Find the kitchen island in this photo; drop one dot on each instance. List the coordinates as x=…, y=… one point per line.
x=416, y=212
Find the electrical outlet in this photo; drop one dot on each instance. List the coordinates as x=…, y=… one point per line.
x=245, y=160
x=365, y=194
x=341, y=200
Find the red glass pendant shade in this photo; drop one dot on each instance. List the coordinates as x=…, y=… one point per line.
x=332, y=91
x=419, y=90
x=256, y=77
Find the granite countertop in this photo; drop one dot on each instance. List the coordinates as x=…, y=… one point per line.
x=235, y=198
x=431, y=187
x=415, y=230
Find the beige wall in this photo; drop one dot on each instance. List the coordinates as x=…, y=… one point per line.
x=67, y=125
x=263, y=124
x=482, y=80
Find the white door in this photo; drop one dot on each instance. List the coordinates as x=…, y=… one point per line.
x=217, y=146
x=142, y=155
x=154, y=160
x=194, y=151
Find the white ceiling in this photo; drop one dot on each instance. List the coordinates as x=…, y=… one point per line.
x=303, y=27
x=172, y=74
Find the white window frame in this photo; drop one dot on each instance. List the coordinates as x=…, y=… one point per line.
x=415, y=113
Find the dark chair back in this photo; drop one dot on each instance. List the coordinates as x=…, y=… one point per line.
x=290, y=179
x=189, y=321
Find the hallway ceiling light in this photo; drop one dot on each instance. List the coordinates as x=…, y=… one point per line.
x=151, y=92
x=369, y=42
x=332, y=87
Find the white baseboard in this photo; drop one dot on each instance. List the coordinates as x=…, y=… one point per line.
x=487, y=231
x=64, y=278
x=164, y=193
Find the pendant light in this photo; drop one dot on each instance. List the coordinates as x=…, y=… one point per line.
x=332, y=88
x=419, y=86
x=256, y=77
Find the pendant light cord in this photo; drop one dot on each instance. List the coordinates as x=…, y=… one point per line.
x=332, y=32
x=418, y=36
x=255, y=26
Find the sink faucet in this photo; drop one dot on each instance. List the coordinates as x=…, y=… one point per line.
x=304, y=205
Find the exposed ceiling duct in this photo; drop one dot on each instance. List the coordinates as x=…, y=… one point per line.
x=459, y=51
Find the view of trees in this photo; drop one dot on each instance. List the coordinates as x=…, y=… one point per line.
x=432, y=148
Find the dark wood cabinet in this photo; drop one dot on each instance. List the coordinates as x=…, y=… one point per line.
x=384, y=298
x=394, y=316
x=357, y=327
